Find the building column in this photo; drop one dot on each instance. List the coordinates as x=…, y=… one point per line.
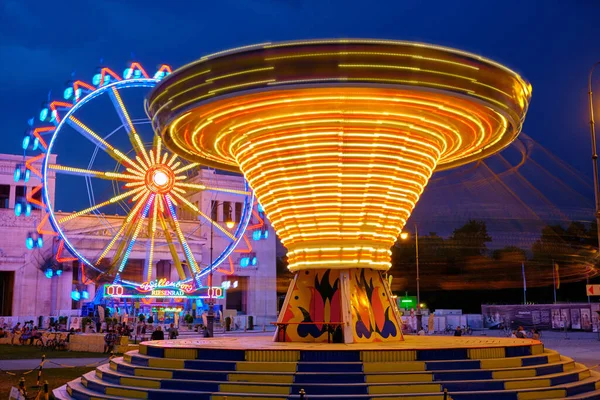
x=12, y=196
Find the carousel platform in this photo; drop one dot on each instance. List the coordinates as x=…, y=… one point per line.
x=418, y=368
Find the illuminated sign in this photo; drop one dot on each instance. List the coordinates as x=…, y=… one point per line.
x=166, y=284
x=160, y=289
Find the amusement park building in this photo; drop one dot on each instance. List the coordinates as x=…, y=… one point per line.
x=26, y=291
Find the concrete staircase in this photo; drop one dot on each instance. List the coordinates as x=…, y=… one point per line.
x=173, y=373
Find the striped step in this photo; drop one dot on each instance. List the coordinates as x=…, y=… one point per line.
x=308, y=384
x=172, y=370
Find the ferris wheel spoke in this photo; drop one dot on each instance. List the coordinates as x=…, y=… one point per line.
x=126, y=223
x=93, y=137
x=171, y=246
x=148, y=263
x=137, y=231
x=195, y=209
x=200, y=187
x=113, y=200
x=134, y=138
x=113, y=176
x=186, y=168
x=177, y=228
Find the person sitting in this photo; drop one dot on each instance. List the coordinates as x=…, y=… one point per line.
x=109, y=341
x=535, y=334
x=158, y=334
x=521, y=333
x=3, y=333
x=458, y=331
x=35, y=334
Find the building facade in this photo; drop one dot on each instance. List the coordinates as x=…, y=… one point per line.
x=27, y=291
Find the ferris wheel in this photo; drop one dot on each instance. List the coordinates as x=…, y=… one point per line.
x=98, y=155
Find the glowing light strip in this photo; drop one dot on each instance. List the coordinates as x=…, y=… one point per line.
x=370, y=53
x=177, y=84
x=126, y=120
x=188, y=253
x=138, y=228
x=150, y=254
x=186, y=168
x=191, y=206
x=250, y=71
x=92, y=173
x=124, y=225
x=94, y=138
x=222, y=89
x=100, y=205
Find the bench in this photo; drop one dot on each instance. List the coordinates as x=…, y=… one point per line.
x=330, y=327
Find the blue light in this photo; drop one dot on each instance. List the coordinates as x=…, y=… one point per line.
x=27, y=175
x=68, y=93
x=26, y=140
x=29, y=243
x=36, y=143
x=260, y=208
x=58, y=272
x=53, y=115
x=256, y=235
x=159, y=75
x=27, y=210
x=78, y=93
x=137, y=73
x=49, y=273
x=44, y=114
x=96, y=79
x=85, y=295
x=127, y=73
x=17, y=174
x=18, y=209
x=254, y=260
x=266, y=234
x=75, y=295
x=244, y=262
x=106, y=79
x=40, y=242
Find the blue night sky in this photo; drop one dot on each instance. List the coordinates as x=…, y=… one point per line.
x=552, y=43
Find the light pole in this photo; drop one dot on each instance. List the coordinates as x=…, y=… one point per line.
x=594, y=157
x=404, y=236
x=210, y=317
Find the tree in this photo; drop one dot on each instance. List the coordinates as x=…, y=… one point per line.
x=471, y=238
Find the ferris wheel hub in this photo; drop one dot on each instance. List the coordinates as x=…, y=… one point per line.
x=160, y=179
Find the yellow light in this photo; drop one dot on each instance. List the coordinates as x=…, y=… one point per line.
x=339, y=161
x=230, y=224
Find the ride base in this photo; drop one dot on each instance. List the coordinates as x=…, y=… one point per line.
x=418, y=368
x=340, y=306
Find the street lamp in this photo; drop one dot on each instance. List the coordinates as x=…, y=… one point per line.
x=594, y=158
x=210, y=317
x=404, y=236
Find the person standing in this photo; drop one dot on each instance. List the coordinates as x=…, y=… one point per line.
x=173, y=332
x=15, y=331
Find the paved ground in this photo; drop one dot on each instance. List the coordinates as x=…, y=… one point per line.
x=14, y=365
